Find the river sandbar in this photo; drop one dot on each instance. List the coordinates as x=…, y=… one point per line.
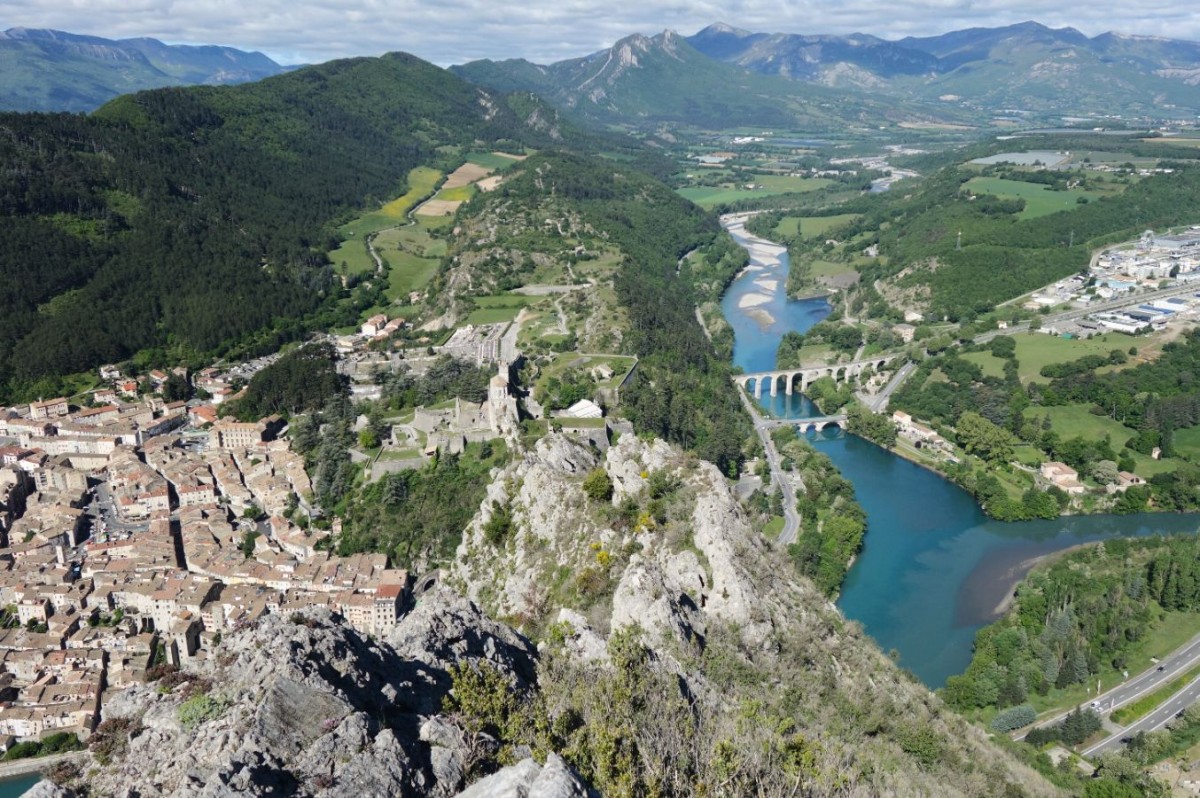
x=761, y=316
x=753, y=300
x=767, y=285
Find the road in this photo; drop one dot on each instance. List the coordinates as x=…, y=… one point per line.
x=37, y=764
x=1100, y=307
x=1170, y=667
x=791, y=519
x=1154, y=721
x=879, y=401
x=102, y=508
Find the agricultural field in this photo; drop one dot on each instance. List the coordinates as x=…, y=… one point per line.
x=353, y=250
x=494, y=161
x=465, y=175
x=1035, y=350
x=438, y=208
x=992, y=366
x=1071, y=421
x=811, y=226
x=464, y=182
x=1179, y=141
x=497, y=308
x=456, y=193
x=408, y=273
x=1039, y=199
x=827, y=269
x=771, y=185
x=1186, y=443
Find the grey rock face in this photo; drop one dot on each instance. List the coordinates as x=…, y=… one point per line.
x=305, y=706
x=45, y=789
x=527, y=779
x=447, y=628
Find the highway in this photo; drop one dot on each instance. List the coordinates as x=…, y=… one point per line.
x=1170, y=667
x=1154, y=721
x=878, y=403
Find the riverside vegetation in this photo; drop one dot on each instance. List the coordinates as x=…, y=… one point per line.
x=1089, y=614
x=1143, y=407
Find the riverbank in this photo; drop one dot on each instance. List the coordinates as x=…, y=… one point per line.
x=933, y=569
x=1015, y=575
x=821, y=293
x=34, y=766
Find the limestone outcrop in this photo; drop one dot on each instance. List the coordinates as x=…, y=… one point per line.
x=729, y=628
x=303, y=705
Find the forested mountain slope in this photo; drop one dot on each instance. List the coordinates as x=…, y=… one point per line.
x=1026, y=66
x=664, y=79
x=193, y=217
x=50, y=70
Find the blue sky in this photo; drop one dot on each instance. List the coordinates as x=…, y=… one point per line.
x=454, y=31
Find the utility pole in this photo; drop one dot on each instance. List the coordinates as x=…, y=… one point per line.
x=958, y=244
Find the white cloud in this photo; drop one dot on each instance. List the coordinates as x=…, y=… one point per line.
x=455, y=31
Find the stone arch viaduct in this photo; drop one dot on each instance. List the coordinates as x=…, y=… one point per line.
x=797, y=380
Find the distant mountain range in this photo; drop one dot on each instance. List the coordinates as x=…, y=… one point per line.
x=1027, y=66
x=969, y=73
x=48, y=70
x=667, y=79
x=720, y=77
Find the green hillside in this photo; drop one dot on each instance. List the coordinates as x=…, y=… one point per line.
x=195, y=218
x=644, y=80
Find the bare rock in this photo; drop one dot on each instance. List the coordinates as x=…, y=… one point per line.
x=564, y=455
x=304, y=705
x=446, y=629
x=527, y=779
x=47, y=789
x=582, y=639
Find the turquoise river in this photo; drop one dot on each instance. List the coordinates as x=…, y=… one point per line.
x=934, y=568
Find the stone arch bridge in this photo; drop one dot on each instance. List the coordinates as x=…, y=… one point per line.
x=798, y=379
x=816, y=423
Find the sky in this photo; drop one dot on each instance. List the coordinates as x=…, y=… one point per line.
x=455, y=31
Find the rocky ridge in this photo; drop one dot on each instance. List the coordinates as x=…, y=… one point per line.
x=303, y=705
x=673, y=557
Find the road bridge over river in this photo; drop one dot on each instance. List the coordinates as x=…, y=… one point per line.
x=815, y=423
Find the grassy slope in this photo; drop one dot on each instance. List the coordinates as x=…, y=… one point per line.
x=1035, y=350
x=1039, y=199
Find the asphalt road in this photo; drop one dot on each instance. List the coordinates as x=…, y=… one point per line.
x=1152, y=722
x=879, y=401
x=1168, y=668
x=791, y=519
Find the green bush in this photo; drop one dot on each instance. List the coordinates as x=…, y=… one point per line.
x=23, y=751
x=201, y=709
x=497, y=528
x=598, y=485
x=1014, y=718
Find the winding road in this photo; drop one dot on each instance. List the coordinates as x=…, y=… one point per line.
x=779, y=478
